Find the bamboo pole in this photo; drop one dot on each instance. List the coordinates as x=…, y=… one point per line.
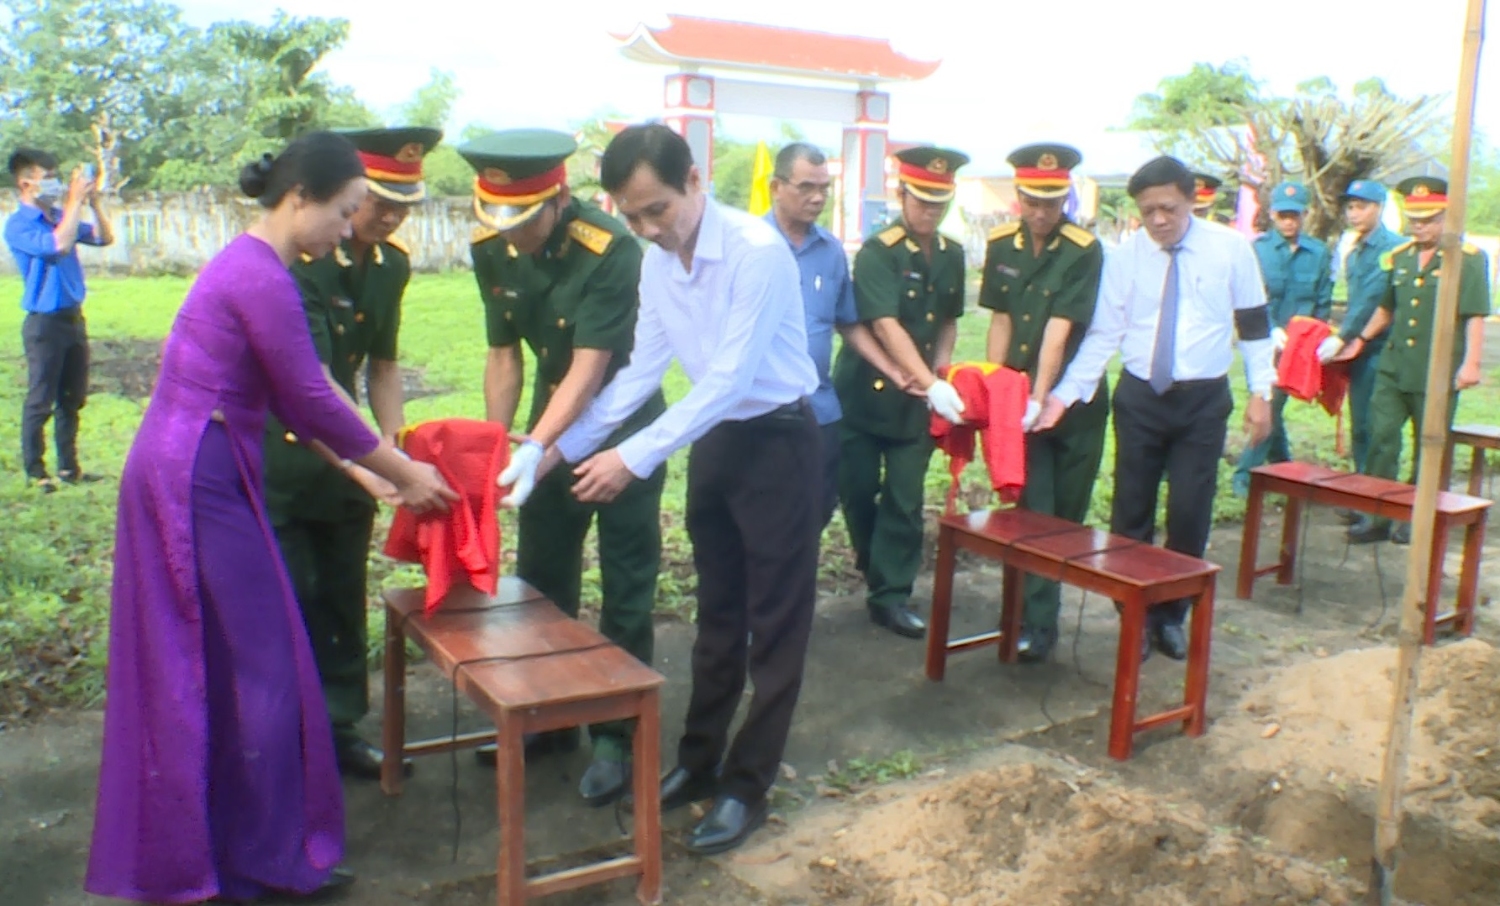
x=1434, y=435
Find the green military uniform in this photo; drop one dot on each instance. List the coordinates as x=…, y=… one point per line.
x=1401, y=376
x=885, y=442
x=578, y=291
x=1033, y=280
x=322, y=519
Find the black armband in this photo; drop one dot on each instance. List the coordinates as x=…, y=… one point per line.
x=1252, y=323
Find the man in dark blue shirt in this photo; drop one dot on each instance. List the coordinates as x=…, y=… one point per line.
x=43, y=238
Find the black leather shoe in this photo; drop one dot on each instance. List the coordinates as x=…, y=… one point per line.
x=1348, y=517
x=553, y=742
x=358, y=758
x=682, y=787
x=1401, y=534
x=726, y=826
x=1170, y=641
x=1368, y=531
x=899, y=620
x=339, y=881
x=1035, y=645
x=605, y=781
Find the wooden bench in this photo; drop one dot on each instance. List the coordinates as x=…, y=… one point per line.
x=1135, y=574
x=1478, y=438
x=531, y=669
x=1306, y=483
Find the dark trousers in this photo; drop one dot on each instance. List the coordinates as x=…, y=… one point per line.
x=1391, y=411
x=829, y=435
x=327, y=562
x=57, y=365
x=752, y=514
x=881, y=483
x=553, y=526
x=1179, y=434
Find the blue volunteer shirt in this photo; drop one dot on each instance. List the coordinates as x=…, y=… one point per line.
x=1367, y=271
x=827, y=303
x=1298, y=282
x=52, y=282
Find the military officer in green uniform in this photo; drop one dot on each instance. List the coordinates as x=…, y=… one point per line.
x=323, y=519
x=1041, y=279
x=1298, y=272
x=909, y=289
x=1415, y=270
x=1205, y=194
x=560, y=275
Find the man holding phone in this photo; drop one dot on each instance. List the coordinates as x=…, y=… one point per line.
x=43, y=235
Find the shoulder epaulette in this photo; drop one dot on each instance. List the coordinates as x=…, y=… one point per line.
x=1004, y=230
x=1078, y=235
x=399, y=245
x=1470, y=248
x=891, y=236
x=481, y=233
x=595, y=239
x=307, y=259
x=1403, y=246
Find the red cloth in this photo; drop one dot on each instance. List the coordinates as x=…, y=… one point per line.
x=462, y=544
x=1302, y=376
x=994, y=404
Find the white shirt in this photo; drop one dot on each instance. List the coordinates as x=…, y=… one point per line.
x=1217, y=274
x=734, y=322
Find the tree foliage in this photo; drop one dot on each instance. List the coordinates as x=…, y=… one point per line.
x=1220, y=120
x=186, y=106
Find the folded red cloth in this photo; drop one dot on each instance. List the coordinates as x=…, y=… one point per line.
x=462, y=544
x=1302, y=376
x=994, y=404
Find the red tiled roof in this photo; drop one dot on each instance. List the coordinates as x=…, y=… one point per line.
x=744, y=45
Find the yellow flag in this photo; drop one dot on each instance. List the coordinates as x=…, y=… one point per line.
x=760, y=181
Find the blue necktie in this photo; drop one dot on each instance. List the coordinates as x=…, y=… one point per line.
x=1162, y=353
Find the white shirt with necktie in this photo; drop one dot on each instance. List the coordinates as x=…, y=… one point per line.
x=734, y=321
x=1217, y=275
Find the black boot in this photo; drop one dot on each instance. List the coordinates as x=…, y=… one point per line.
x=1035, y=645
x=899, y=619
x=1367, y=531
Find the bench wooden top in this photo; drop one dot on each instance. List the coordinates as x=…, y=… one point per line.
x=1074, y=547
x=1487, y=436
x=516, y=648
x=1366, y=487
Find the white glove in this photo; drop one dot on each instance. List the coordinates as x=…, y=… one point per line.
x=946, y=402
x=520, y=475
x=1278, y=337
x=1033, y=412
x=1329, y=348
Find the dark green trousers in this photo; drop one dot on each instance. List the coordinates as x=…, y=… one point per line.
x=1391, y=409
x=880, y=488
x=327, y=563
x=553, y=526
x=1061, y=466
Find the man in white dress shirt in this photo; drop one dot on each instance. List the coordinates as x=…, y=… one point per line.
x=721, y=294
x=1172, y=299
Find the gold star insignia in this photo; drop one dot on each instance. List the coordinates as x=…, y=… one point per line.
x=1420, y=191
x=938, y=165
x=1046, y=162
x=410, y=153
x=496, y=176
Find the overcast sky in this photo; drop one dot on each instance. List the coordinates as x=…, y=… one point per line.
x=1011, y=73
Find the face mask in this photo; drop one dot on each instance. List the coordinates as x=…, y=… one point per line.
x=49, y=190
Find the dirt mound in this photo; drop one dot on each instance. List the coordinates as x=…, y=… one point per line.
x=1029, y=834
x=1327, y=720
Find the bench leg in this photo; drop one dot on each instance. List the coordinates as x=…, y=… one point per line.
x=1127, y=680
x=1250, y=539
x=1291, y=529
x=1199, y=645
x=1445, y=474
x=1435, y=578
x=1476, y=472
x=1468, y=579
x=1012, y=608
x=646, y=749
x=393, y=715
x=510, y=783
x=942, y=605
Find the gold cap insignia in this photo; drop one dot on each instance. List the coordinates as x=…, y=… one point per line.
x=1420, y=191
x=1047, y=162
x=496, y=176
x=1200, y=185
x=938, y=165
x=410, y=153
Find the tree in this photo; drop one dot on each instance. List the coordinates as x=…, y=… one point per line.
x=1217, y=120
x=432, y=104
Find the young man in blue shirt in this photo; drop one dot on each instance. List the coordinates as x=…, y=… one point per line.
x=43, y=236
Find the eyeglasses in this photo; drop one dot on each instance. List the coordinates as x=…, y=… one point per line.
x=808, y=188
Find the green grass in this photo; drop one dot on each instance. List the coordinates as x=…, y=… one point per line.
x=55, y=551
